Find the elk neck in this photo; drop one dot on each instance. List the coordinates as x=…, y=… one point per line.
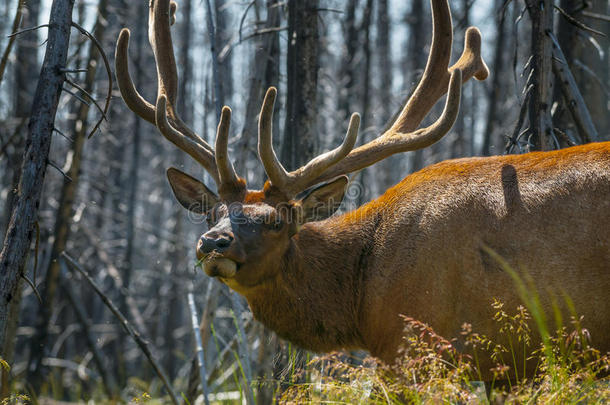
x=315, y=301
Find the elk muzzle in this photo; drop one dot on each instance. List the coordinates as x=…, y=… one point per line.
x=210, y=248
x=213, y=242
x=215, y=266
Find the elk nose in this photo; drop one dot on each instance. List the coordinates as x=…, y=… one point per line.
x=210, y=242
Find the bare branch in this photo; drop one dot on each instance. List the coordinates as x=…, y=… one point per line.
x=100, y=49
x=29, y=30
x=11, y=41
x=33, y=287
x=577, y=23
x=575, y=102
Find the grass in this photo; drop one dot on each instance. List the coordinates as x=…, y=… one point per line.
x=431, y=370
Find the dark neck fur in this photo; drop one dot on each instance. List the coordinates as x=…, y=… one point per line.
x=314, y=301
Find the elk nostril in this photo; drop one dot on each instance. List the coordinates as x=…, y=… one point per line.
x=223, y=243
x=206, y=245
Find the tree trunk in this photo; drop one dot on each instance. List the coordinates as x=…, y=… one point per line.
x=494, y=92
x=591, y=68
x=346, y=70
x=223, y=40
x=300, y=128
x=463, y=137
x=541, y=124
x=367, y=186
x=262, y=64
x=68, y=193
x=21, y=227
x=26, y=68
x=389, y=169
x=415, y=59
x=133, y=178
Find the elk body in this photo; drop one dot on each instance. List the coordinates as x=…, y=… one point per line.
x=422, y=249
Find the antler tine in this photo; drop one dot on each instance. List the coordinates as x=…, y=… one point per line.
x=161, y=14
x=301, y=177
x=293, y=182
x=130, y=94
x=193, y=148
x=273, y=167
x=471, y=63
x=435, y=80
x=427, y=136
x=391, y=143
x=160, y=38
x=226, y=171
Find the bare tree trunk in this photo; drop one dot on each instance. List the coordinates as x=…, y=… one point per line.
x=223, y=39
x=367, y=189
x=416, y=61
x=541, y=124
x=387, y=169
x=494, y=92
x=132, y=181
x=9, y=46
x=176, y=255
x=66, y=202
x=21, y=227
x=218, y=95
x=8, y=352
x=346, y=70
x=463, y=137
x=26, y=69
x=591, y=67
x=262, y=64
x=300, y=137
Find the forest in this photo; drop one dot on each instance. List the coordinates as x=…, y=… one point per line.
x=103, y=294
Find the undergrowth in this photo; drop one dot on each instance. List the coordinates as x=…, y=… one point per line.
x=431, y=369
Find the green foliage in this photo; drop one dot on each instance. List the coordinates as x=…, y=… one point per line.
x=141, y=399
x=15, y=399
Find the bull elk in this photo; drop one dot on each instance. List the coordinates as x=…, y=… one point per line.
x=329, y=282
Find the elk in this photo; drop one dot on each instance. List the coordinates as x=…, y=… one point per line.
x=326, y=281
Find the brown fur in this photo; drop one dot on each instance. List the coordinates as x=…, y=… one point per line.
x=417, y=250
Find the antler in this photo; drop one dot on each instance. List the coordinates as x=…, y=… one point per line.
x=163, y=114
x=293, y=182
x=402, y=136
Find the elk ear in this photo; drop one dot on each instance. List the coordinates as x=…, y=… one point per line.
x=322, y=201
x=190, y=192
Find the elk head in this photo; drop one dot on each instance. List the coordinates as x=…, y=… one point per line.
x=250, y=230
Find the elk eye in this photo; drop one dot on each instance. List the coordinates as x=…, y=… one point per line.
x=214, y=214
x=276, y=225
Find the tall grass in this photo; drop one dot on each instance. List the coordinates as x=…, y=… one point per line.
x=431, y=370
